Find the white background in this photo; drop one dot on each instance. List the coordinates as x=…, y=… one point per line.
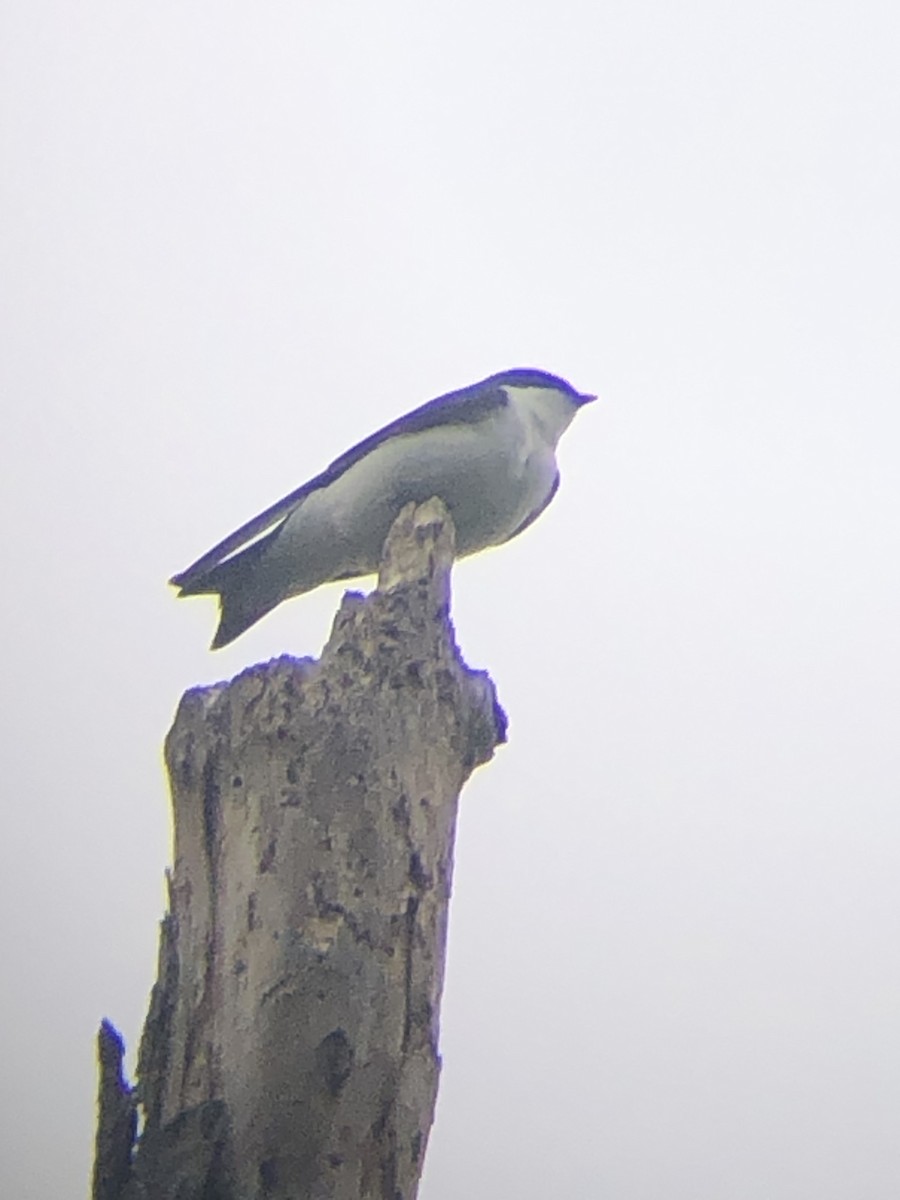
x=237, y=238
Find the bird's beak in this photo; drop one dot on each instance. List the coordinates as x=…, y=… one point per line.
x=584, y=398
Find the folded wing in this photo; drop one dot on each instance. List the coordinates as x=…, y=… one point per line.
x=468, y=406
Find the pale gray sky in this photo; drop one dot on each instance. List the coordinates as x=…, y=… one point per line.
x=237, y=238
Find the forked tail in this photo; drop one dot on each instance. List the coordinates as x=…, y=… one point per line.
x=240, y=584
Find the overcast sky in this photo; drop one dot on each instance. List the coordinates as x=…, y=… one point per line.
x=235, y=239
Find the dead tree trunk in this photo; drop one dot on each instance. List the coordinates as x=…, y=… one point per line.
x=290, y=1050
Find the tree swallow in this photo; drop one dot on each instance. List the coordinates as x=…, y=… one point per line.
x=488, y=451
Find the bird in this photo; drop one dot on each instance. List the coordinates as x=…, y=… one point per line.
x=488, y=451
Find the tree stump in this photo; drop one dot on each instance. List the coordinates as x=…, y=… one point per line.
x=291, y=1047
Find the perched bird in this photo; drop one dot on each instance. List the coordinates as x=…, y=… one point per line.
x=488, y=451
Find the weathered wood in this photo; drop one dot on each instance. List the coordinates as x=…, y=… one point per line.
x=116, y=1118
x=291, y=1049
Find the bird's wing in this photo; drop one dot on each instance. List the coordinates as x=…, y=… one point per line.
x=275, y=514
x=465, y=407
x=468, y=406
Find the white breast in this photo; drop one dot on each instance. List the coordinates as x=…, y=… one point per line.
x=492, y=476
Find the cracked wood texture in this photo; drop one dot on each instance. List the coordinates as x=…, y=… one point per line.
x=291, y=1047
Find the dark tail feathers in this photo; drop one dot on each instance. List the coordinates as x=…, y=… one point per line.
x=235, y=616
x=239, y=582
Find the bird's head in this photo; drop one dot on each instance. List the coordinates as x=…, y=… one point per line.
x=550, y=400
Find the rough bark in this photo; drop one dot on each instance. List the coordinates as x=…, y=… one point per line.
x=116, y=1118
x=291, y=1045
